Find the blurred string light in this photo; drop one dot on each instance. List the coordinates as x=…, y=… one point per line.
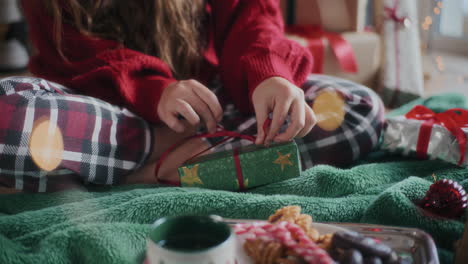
x=330, y=110
x=428, y=20
x=427, y=23
x=427, y=26
x=46, y=144
x=439, y=60
x=440, y=63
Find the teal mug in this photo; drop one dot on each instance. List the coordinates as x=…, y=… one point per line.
x=191, y=239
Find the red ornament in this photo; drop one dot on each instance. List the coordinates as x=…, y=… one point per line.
x=446, y=198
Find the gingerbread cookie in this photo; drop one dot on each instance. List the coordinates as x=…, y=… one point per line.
x=292, y=214
x=263, y=252
x=284, y=239
x=325, y=241
x=288, y=214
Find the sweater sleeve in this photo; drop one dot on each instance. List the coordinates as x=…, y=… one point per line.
x=252, y=47
x=96, y=67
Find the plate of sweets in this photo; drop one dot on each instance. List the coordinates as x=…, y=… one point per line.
x=289, y=237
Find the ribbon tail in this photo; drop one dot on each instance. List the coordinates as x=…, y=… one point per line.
x=344, y=53
x=462, y=151
x=459, y=115
x=317, y=48
x=237, y=163
x=451, y=125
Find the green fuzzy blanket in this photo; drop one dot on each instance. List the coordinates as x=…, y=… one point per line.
x=109, y=225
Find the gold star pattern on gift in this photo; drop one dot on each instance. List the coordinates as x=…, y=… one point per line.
x=246, y=183
x=191, y=176
x=283, y=160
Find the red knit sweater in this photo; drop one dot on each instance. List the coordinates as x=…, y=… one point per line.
x=246, y=46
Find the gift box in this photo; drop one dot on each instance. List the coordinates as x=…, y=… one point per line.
x=402, y=76
x=242, y=168
x=366, y=49
x=428, y=135
x=332, y=15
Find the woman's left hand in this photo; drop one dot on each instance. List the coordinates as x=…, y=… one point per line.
x=283, y=98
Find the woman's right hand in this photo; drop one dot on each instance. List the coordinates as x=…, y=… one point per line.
x=191, y=100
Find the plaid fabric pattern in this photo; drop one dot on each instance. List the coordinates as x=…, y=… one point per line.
x=102, y=143
x=357, y=135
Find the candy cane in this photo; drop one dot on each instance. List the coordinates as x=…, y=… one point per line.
x=284, y=232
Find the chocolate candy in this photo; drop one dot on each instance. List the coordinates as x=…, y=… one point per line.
x=393, y=259
x=373, y=260
x=367, y=246
x=351, y=256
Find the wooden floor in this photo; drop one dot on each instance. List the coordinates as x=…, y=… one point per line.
x=452, y=77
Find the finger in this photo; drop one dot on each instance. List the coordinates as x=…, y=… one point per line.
x=210, y=99
x=186, y=110
x=261, y=113
x=203, y=111
x=280, y=112
x=310, y=121
x=297, y=115
x=173, y=122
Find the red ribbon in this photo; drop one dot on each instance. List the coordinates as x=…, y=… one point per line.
x=220, y=133
x=392, y=13
x=341, y=48
x=453, y=120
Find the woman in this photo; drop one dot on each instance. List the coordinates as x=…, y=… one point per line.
x=157, y=58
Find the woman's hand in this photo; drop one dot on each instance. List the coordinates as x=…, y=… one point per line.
x=281, y=97
x=191, y=100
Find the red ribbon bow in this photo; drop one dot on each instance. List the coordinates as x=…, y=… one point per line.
x=453, y=120
x=392, y=13
x=341, y=48
x=221, y=132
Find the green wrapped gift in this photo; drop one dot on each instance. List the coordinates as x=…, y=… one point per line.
x=242, y=168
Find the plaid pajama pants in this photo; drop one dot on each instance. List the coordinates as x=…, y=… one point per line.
x=103, y=143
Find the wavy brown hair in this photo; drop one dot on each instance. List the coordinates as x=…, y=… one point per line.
x=171, y=30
